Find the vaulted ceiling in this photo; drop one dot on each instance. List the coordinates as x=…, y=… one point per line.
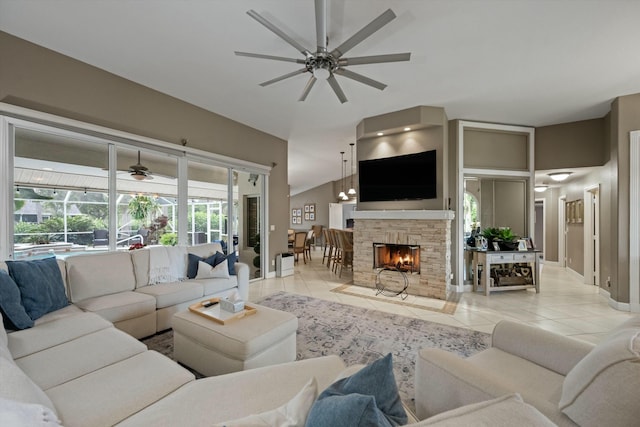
x=527, y=62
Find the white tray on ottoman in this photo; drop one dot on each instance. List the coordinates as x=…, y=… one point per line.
x=265, y=338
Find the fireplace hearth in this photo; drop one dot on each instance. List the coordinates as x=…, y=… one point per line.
x=405, y=258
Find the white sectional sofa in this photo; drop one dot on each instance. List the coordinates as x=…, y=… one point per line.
x=116, y=285
x=76, y=368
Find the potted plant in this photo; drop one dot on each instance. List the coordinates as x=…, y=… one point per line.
x=504, y=236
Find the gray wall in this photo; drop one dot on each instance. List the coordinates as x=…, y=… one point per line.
x=569, y=145
x=321, y=196
x=37, y=78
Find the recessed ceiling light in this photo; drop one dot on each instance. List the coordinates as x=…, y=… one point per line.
x=47, y=169
x=407, y=129
x=380, y=133
x=559, y=176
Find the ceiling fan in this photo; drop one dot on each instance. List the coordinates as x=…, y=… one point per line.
x=138, y=171
x=325, y=64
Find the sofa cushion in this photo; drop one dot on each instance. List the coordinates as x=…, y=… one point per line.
x=72, y=359
x=368, y=397
x=205, y=250
x=94, y=275
x=237, y=394
x=219, y=271
x=125, y=388
x=505, y=411
x=16, y=385
x=70, y=310
x=29, y=341
x=14, y=315
x=120, y=306
x=217, y=286
x=170, y=294
x=14, y=413
x=292, y=413
x=40, y=283
x=612, y=368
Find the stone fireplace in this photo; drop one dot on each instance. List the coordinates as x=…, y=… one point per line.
x=426, y=233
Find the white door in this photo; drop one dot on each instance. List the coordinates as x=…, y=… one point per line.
x=562, y=232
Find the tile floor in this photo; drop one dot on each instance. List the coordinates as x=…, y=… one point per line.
x=564, y=305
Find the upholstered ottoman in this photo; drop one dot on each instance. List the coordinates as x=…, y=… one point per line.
x=265, y=338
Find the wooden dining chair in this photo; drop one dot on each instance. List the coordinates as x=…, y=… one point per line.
x=337, y=249
x=299, y=245
x=326, y=241
x=346, y=244
x=307, y=244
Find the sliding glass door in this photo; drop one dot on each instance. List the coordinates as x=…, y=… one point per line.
x=71, y=191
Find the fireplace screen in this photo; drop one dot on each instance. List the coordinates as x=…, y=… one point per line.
x=398, y=257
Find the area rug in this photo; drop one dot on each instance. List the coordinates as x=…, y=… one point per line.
x=448, y=306
x=360, y=336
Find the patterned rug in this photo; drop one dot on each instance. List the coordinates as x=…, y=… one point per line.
x=360, y=335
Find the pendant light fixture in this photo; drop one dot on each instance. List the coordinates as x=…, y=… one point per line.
x=342, y=195
x=352, y=191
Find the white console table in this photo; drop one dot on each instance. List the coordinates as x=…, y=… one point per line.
x=486, y=258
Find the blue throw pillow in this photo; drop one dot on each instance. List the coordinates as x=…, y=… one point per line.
x=367, y=398
x=40, y=284
x=231, y=261
x=13, y=314
x=192, y=265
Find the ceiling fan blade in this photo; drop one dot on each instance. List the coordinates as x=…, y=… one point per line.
x=375, y=59
x=365, y=32
x=321, y=25
x=275, y=58
x=286, y=76
x=277, y=31
x=360, y=78
x=307, y=88
x=336, y=88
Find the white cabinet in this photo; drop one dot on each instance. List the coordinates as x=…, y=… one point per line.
x=339, y=213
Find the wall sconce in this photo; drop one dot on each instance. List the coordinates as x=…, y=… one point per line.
x=540, y=188
x=559, y=176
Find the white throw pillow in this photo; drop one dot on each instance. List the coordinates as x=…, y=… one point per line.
x=291, y=414
x=206, y=271
x=14, y=413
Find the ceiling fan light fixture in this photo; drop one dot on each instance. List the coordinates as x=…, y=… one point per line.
x=138, y=177
x=321, y=73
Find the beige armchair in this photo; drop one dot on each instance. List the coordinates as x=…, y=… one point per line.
x=570, y=381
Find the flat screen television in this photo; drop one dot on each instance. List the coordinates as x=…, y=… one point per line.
x=407, y=177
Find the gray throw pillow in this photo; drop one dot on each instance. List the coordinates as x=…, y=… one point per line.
x=14, y=315
x=367, y=398
x=40, y=284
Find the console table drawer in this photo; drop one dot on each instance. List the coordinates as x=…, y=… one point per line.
x=497, y=257
x=524, y=257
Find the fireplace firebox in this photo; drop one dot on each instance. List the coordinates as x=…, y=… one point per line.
x=405, y=258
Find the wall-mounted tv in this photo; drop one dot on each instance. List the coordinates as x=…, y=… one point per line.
x=407, y=177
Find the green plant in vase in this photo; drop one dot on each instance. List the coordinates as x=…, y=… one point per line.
x=504, y=236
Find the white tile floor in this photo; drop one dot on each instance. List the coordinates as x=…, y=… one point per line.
x=563, y=305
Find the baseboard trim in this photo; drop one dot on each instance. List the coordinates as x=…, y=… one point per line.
x=575, y=274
